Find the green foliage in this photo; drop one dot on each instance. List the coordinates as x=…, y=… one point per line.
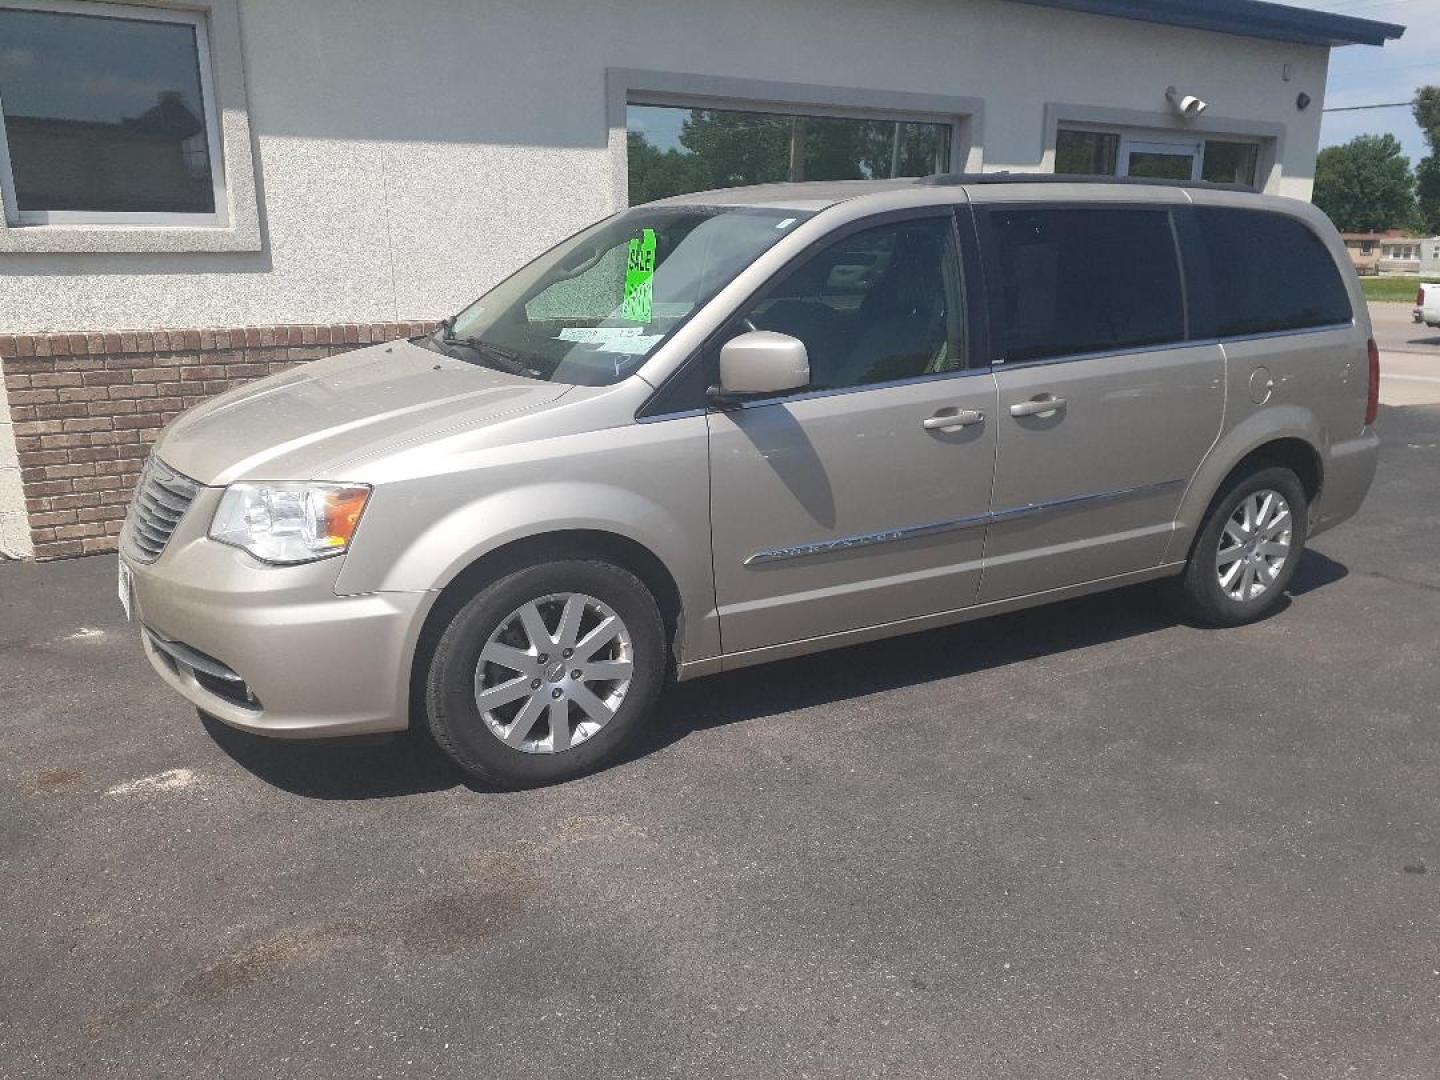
x=1365, y=185
x=1427, y=173
x=656, y=173
x=1427, y=115
x=1390, y=290
x=1427, y=196
x=723, y=148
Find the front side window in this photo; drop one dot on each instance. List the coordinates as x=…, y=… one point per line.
x=877, y=306
x=1069, y=281
x=1269, y=272
x=106, y=112
x=674, y=151
x=590, y=311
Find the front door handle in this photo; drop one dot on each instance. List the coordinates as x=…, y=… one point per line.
x=1046, y=405
x=953, y=419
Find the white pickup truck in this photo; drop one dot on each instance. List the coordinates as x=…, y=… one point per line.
x=1427, y=305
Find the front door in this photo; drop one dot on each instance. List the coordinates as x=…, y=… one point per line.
x=1105, y=408
x=863, y=500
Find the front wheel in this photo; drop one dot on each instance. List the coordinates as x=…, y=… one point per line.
x=1247, y=550
x=547, y=673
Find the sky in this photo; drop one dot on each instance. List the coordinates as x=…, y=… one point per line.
x=1362, y=74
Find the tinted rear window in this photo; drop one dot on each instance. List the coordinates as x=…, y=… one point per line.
x=1269, y=272
x=1082, y=280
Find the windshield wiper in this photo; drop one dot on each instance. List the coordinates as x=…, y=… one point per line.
x=493, y=356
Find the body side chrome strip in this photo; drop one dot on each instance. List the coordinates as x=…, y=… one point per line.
x=912, y=532
x=849, y=543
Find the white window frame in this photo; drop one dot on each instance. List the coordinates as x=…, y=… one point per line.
x=628, y=86
x=1136, y=142
x=801, y=111
x=14, y=216
x=1159, y=127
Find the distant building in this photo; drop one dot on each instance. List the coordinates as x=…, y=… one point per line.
x=1393, y=252
x=1430, y=256
x=1400, y=255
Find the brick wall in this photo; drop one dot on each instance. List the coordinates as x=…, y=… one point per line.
x=87, y=407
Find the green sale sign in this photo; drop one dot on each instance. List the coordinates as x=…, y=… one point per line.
x=639, y=277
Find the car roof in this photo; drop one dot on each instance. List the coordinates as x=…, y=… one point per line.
x=818, y=195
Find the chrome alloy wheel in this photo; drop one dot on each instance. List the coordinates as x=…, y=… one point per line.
x=1255, y=545
x=553, y=673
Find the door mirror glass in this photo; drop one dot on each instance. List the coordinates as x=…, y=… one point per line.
x=763, y=362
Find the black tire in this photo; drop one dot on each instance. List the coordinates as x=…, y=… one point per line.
x=451, y=710
x=1200, y=593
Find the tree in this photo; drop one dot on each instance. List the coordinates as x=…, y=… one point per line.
x=656, y=173
x=1427, y=173
x=1365, y=185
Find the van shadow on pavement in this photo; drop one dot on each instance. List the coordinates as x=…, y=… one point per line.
x=410, y=764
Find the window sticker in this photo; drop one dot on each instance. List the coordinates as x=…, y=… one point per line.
x=639, y=278
x=597, y=335
x=634, y=346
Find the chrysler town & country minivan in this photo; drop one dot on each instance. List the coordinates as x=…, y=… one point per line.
x=737, y=426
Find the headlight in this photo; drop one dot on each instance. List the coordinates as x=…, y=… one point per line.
x=289, y=523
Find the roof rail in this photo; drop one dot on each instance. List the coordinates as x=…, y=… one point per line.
x=961, y=179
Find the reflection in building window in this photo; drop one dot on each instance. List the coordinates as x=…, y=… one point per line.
x=106, y=114
x=673, y=150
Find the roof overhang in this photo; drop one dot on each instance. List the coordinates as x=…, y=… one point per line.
x=1247, y=18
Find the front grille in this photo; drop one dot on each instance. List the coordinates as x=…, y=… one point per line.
x=161, y=498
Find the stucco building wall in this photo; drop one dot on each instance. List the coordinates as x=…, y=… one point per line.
x=409, y=155
x=386, y=162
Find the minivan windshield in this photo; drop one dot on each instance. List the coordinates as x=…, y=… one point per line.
x=589, y=311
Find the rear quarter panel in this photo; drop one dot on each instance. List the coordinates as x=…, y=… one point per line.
x=1308, y=384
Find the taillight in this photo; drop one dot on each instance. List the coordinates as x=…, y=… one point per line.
x=1420, y=296
x=1372, y=399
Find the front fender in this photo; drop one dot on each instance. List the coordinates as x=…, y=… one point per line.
x=1265, y=426
x=646, y=483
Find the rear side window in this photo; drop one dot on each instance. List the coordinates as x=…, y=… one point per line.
x=1269, y=273
x=1066, y=281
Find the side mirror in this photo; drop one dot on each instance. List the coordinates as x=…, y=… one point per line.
x=761, y=362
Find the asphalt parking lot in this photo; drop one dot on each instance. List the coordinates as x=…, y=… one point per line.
x=1082, y=841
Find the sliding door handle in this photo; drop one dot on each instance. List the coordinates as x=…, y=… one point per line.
x=1048, y=405
x=953, y=419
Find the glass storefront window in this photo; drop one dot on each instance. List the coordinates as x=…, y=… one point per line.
x=1086, y=153
x=674, y=150
x=1229, y=162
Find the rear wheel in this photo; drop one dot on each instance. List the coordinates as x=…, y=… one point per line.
x=546, y=673
x=1247, y=550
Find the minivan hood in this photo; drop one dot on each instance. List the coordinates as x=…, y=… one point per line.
x=299, y=424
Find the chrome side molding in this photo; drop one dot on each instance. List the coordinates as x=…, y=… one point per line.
x=912, y=532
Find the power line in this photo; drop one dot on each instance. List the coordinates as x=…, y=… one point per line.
x=1382, y=105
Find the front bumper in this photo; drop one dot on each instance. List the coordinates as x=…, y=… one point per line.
x=310, y=663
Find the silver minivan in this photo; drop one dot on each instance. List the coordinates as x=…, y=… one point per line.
x=743, y=425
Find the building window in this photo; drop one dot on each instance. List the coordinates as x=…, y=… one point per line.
x=108, y=115
x=1229, y=162
x=1086, y=153
x=1367, y=247
x=1107, y=153
x=674, y=150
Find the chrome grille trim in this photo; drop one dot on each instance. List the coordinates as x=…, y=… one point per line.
x=159, y=504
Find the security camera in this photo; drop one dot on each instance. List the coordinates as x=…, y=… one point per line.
x=1187, y=105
